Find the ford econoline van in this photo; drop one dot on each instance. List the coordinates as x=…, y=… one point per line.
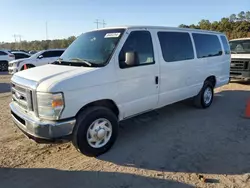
x=108, y=75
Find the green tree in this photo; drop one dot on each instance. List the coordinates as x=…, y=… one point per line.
x=233, y=18
x=241, y=16
x=233, y=26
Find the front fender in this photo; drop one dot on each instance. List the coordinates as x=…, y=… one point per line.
x=75, y=100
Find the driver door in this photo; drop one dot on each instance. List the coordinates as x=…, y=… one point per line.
x=138, y=83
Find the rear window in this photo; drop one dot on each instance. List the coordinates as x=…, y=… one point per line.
x=225, y=44
x=176, y=46
x=3, y=53
x=207, y=45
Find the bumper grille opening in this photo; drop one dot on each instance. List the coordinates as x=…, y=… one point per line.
x=18, y=118
x=239, y=65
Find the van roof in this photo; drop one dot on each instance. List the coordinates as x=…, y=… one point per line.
x=160, y=27
x=248, y=38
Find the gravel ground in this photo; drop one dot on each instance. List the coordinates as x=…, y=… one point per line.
x=170, y=147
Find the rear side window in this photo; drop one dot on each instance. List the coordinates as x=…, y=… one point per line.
x=176, y=46
x=56, y=53
x=3, y=53
x=20, y=56
x=225, y=44
x=207, y=45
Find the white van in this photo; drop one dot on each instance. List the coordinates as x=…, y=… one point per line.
x=109, y=75
x=240, y=59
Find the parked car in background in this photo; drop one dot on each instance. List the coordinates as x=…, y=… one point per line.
x=40, y=58
x=240, y=59
x=20, y=54
x=112, y=74
x=5, y=57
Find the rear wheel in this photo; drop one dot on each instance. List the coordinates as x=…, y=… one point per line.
x=96, y=131
x=205, y=97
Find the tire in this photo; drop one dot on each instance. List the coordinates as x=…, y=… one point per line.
x=82, y=131
x=202, y=101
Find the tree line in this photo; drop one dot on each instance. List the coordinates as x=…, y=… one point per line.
x=38, y=45
x=235, y=26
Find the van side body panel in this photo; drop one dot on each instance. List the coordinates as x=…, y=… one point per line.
x=134, y=91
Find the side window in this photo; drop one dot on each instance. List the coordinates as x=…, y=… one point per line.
x=20, y=56
x=207, y=45
x=137, y=50
x=46, y=54
x=17, y=56
x=56, y=53
x=2, y=53
x=225, y=44
x=176, y=46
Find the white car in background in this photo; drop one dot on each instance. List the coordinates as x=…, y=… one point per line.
x=5, y=57
x=40, y=58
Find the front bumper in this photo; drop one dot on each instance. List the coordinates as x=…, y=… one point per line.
x=41, y=130
x=240, y=75
x=12, y=70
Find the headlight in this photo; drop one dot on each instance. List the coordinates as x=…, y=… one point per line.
x=50, y=106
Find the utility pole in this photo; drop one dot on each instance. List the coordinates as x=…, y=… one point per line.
x=46, y=30
x=15, y=36
x=20, y=39
x=103, y=23
x=97, y=22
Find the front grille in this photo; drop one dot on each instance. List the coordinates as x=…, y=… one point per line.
x=22, y=96
x=239, y=65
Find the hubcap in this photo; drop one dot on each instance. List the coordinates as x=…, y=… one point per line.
x=208, y=94
x=99, y=133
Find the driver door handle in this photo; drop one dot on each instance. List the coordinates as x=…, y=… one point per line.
x=156, y=80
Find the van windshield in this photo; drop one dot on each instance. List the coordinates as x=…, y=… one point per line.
x=92, y=48
x=240, y=46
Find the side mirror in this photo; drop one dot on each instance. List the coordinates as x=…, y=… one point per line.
x=131, y=59
x=40, y=57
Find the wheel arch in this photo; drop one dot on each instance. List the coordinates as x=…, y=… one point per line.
x=30, y=65
x=211, y=79
x=108, y=103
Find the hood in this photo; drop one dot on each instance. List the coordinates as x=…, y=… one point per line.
x=42, y=73
x=17, y=60
x=240, y=56
x=57, y=78
x=51, y=78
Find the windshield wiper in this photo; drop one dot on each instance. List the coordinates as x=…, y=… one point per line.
x=233, y=52
x=81, y=61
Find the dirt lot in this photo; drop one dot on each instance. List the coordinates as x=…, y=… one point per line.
x=167, y=148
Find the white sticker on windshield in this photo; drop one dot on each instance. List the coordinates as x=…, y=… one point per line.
x=112, y=35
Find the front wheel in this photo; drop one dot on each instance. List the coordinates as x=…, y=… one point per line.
x=205, y=97
x=96, y=131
